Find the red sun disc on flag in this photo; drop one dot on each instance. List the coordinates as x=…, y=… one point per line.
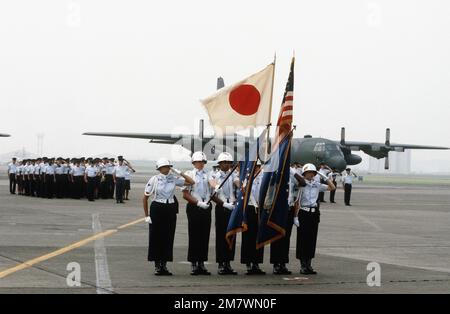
x=245, y=99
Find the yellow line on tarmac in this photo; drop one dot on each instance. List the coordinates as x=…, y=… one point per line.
x=65, y=249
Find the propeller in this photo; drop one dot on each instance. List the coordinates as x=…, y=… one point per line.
x=388, y=144
x=342, y=136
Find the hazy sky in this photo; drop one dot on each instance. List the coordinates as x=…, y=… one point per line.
x=67, y=67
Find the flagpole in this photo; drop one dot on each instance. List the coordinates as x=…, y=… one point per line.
x=270, y=106
x=273, y=83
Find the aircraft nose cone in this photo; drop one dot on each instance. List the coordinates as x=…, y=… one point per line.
x=337, y=162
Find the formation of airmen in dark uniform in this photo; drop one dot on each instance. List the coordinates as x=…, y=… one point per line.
x=77, y=178
x=201, y=189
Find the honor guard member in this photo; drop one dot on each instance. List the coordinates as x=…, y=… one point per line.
x=66, y=177
x=109, y=180
x=26, y=183
x=127, y=186
x=98, y=165
x=347, y=181
x=90, y=178
x=29, y=177
x=103, y=193
x=59, y=178
x=119, y=179
x=83, y=165
x=77, y=173
x=332, y=176
x=20, y=178
x=12, y=175
x=50, y=179
x=31, y=170
x=198, y=211
x=162, y=217
x=324, y=171
x=37, y=177
x=309, y=218
x=250, y=256
x=279, y=250
x=225, y=200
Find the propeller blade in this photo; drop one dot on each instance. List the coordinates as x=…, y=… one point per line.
x=342, y=136
x=388, y=137
x=386, y=162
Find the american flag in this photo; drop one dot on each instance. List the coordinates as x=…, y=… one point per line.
x=273, y=198
x=284, y=123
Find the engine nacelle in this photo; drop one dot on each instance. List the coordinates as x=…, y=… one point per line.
x=352, y=159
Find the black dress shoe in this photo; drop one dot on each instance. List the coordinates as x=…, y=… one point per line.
x=226, y=269
x=195, y=270
x=255, y=270
x=309, y=267
x=203, y=270
x=158, y=269
x=277, y=269
x=164, y=269
x=230, y=269
x=284, y=270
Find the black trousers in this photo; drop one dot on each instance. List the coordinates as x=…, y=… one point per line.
x=223, y=252
x=20, y=183
x=162, y=231
x=199, y=228
x=12, y=183
x=333, y=193
x=347, y=193
x=120, y=185
x=279, y=250
x=103, y=191
x=109, y=186
x=33, y=186
x=37, y=185
x=65, y=185
x=42, y=185
x=77, y=187
x=91, y=188
x=307, y=234
x=26, y=185
x=59, y=187
x=49, y=185
x=249, y=253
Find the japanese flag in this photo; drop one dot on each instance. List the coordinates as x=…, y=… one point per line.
x=242, y=105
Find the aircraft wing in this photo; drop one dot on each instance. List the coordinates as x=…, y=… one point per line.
x=4, y=135
x=380, y=150
x=153, y=137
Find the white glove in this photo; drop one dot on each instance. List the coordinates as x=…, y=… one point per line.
x=323, y=176
x=228, y=206
x=296, y=222
x=203, y=205
x=176, y=171
x=148, y=220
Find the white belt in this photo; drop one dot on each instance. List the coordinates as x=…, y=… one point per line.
x=309, y=209
x=164, y=200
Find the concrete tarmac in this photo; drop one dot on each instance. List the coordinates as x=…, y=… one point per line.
x=404, y=228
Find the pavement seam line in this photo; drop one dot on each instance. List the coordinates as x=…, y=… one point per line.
x=64, y=250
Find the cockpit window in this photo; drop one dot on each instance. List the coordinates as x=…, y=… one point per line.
x=332, y=147
x=320, y=147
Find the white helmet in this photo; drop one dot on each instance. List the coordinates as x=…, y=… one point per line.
x=199, y=156
x=309, y=167
x=163, y=162
x=225, y=156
